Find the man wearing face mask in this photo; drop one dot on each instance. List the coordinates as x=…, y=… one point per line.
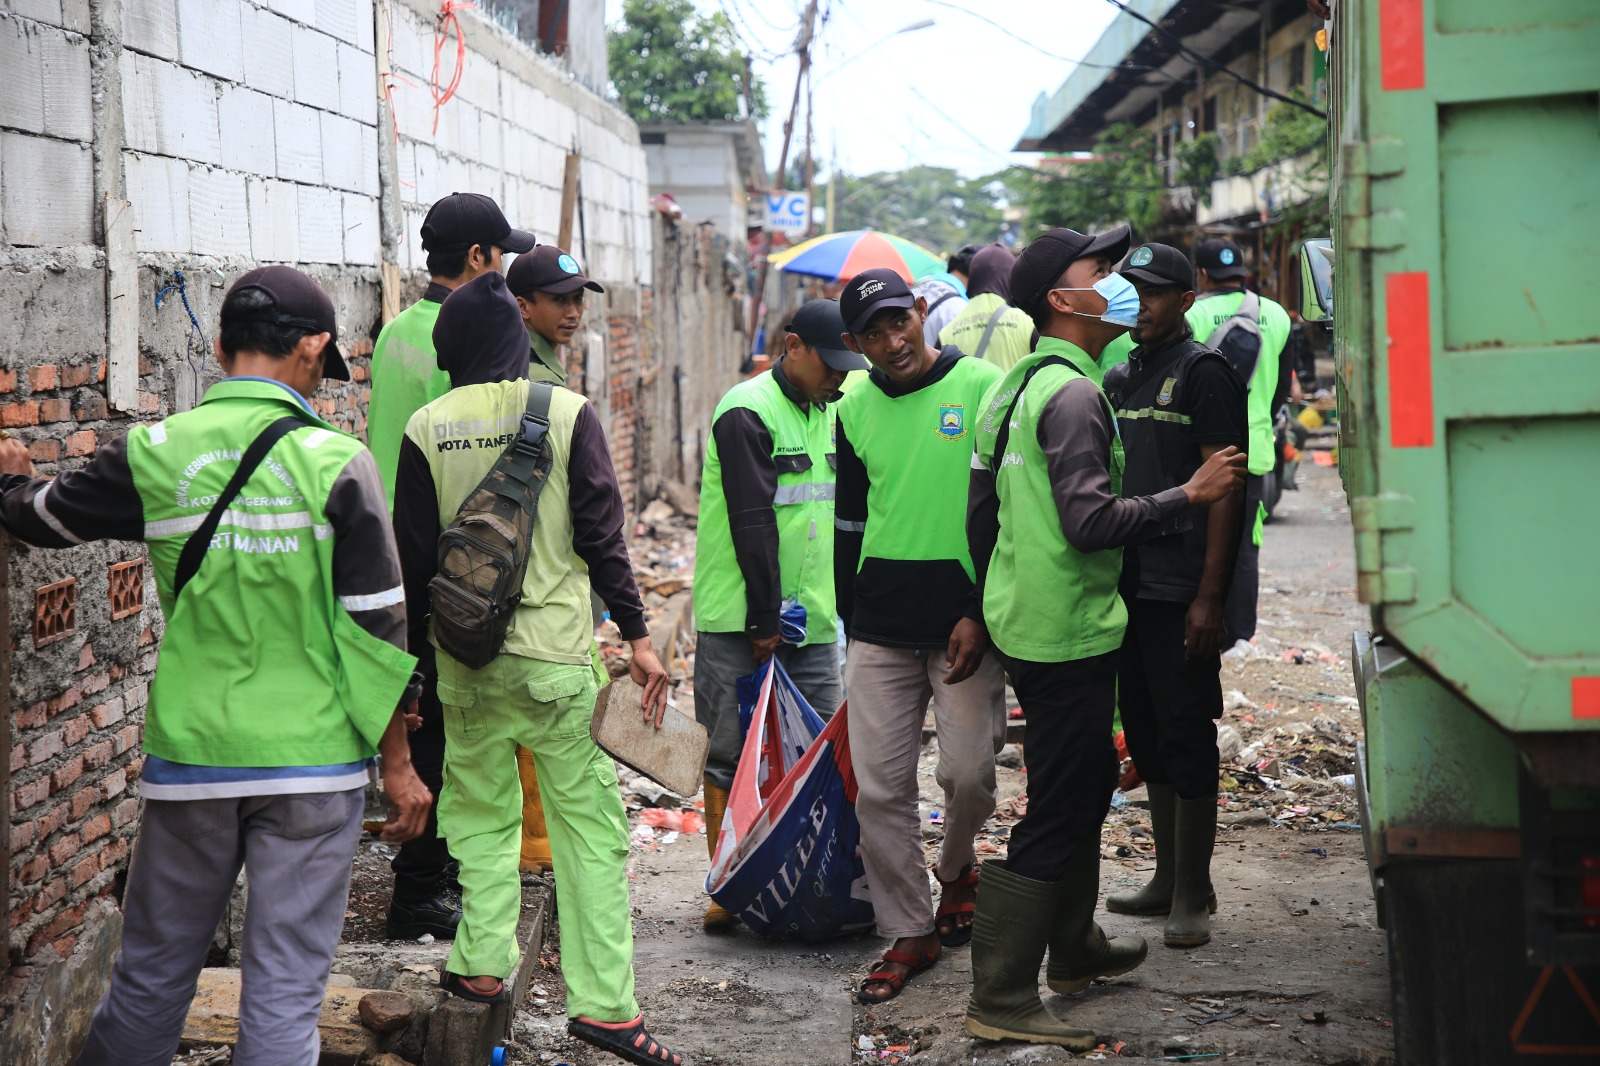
x=1046, y=525
x=765, y=542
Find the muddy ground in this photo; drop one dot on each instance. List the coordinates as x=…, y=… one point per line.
x=1296, y=971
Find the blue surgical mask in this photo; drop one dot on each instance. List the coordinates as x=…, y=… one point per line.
x=1122, y=300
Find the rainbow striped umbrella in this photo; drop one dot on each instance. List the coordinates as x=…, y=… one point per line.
x=841, y=256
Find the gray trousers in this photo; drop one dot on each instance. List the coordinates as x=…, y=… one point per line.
x=890, y=689
x=720, y=659
x=297, y=852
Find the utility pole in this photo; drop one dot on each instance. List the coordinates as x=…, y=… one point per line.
x=833, y=176
x=802, y=46
x=811, y=173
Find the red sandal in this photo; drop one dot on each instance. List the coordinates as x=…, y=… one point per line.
x=959, y=934
x=896, y=982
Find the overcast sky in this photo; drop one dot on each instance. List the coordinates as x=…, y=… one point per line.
x=956, y=94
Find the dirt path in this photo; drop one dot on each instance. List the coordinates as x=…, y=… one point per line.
x=1296, y=971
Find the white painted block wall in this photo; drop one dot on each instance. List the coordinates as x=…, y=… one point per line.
x=250, y=128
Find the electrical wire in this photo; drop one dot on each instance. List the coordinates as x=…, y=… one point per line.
x=1044, y=51
x=443, y=24
x=1207, y=61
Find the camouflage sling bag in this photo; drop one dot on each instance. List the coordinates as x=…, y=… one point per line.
x=483, y=555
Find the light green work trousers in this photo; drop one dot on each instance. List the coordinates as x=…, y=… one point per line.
x=545, y=707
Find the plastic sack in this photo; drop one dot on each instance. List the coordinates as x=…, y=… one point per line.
x=787, y=861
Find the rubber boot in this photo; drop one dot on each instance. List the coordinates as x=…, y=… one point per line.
x=1080, y=951
x=1155, y=897
x=1193, y=901
x=535, y=837
x=718, y=919
x=1009, y=933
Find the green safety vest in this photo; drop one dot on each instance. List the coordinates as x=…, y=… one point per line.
x=261, y=665
x=803, y=449
x=1204, y=318
x=461, y=434
x=405, y=376
x=1044, y=601
x=918, y=453
x=1010, y=340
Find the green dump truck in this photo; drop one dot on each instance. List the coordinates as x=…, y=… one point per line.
x=1466, y=311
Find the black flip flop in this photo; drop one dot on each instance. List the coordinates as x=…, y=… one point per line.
x=457, y=985
x=632, y=1042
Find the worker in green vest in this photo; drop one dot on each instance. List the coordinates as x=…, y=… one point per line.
x=282, y=670
x=540, y=690
x=464, y=235
x=1047, y=524
x=909, y=604
x=989, y=327
x=764, y=544
x=1223, y=297
x=549, y=287
x=1177, y=403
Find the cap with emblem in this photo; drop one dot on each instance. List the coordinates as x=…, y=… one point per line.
x=1158, y=264
x=1049, y=255
x=463, y=219
x=297, y=302
x=818, y=324
x=547, y=269
x=872, y=291
x=1220, y=258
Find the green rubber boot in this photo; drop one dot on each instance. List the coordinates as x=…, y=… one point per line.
x=1009, y=933
x=1080, y=951
x=1193, y=901
x=1155, y=897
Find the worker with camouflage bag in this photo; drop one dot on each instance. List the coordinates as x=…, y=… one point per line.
x=514, y=656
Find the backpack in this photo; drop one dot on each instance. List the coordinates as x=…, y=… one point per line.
x=483, y=554
x=1239, y=338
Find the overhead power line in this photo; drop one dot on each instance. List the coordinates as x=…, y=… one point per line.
x=1044, y=51
x=1212, y=64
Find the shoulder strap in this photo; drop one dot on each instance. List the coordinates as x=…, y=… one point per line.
x=527, y=459
x=988, y=330
x=951, y=295
x=194, y=549
x=1249, y=307
x=1002, y=438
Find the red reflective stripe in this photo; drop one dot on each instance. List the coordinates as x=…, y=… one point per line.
x=1586, y=697
x=1410, y=360
x=1401, y=37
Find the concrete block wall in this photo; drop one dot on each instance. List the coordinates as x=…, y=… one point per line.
x=250, y=131
x=506, y=132
x=226, y=99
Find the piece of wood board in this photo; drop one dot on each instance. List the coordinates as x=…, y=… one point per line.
x=673, y=756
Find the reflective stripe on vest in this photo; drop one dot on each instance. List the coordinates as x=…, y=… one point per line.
x=807, y=493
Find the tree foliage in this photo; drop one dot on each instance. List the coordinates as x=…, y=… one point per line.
x=934, y=206
x=672, y=64
x=1118, y=182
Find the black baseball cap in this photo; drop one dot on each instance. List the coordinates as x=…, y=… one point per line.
x=818, y=324
x=463, y=219
x=870, y=292
x=1158, y=264
x=297, y=301
x=1048, y=256
x=547, y=269
x=1220, y=258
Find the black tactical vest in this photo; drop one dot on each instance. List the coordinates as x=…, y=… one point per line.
x=1147, y=393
